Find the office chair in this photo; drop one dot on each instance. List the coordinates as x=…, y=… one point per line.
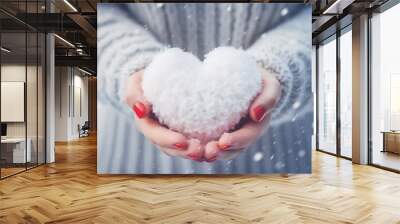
x=84, y=130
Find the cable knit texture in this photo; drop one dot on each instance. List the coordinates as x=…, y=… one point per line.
x=129, y=44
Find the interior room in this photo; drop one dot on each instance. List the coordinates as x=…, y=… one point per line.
x=22, y=103
x=51, y=91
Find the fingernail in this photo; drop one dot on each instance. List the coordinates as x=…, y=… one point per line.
x=139, y=110
x=223, y=146
x=181, y=145
x=259, y=112
x=194, y=156
x=212, y=159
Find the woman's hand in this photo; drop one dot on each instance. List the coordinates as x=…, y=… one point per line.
x=168, y=141
x=230, y=144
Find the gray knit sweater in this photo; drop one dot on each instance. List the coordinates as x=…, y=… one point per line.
x=129, y=35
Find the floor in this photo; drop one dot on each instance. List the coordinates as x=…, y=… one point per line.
x=10, y=171
x=70, y=191
x=387, y=159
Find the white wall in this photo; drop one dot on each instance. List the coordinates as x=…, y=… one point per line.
x=70, y=83
x=14, y=72
x=34, y=125
x=17, y=72
x=62, y=81
x=79, y=117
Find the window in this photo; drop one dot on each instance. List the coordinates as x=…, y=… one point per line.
x=385, y=89
x=346, y=93
x=327, y=96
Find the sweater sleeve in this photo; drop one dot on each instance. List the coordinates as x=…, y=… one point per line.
x=286, y=52
x=124, y=47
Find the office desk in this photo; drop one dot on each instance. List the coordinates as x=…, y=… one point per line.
x=391, y=141
x=13, y=150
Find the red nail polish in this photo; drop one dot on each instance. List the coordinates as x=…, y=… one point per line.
x=259, y=113
x=223, y=146
x=212, y=159
x=180, y=145
x=195, y=156
x=139, y=110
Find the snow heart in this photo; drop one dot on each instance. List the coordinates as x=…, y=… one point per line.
x=201, y=100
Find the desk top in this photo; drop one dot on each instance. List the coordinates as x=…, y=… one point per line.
x=391, y=132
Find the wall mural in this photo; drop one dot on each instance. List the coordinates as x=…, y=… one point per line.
x=204, y=88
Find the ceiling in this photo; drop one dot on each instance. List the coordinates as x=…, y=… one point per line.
x=332, y=15
x=75, y=21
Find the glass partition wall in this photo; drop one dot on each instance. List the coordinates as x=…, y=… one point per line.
x=385, y=89
x=334, y=94
x=327, y=96
x=345, y=62
x=22, y=77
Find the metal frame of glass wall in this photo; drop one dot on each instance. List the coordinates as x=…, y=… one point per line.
x=387, y=5
x=36, y=59
x=335, y=37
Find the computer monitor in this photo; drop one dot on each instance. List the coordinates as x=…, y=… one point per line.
x=3, y=129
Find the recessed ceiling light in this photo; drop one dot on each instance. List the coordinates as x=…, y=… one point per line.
x=64, y=40
x=84, y=71
x=70, y=5
x=5, y=50
x=337, y=7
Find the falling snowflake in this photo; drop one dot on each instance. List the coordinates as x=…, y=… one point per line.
x=229, y=8
x=296, y=105
x=160, y=5
x=301, y=153
x=272, y=157
x=257, y=157
x=284, y=12
x=279, y=165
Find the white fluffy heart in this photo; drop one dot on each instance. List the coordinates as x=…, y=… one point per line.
x=201, y=100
